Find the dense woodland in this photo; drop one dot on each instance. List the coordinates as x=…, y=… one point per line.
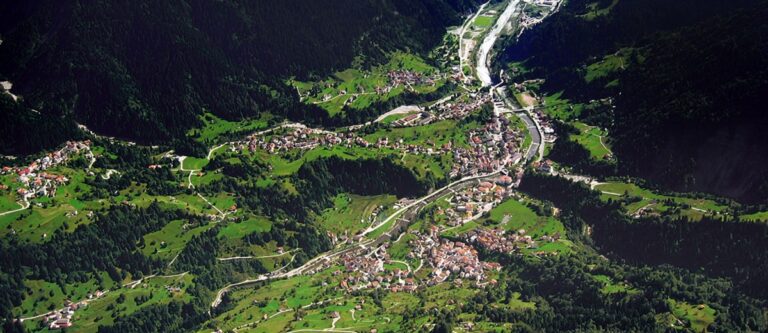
x=145, y=70
x=688, y=104
x=720, y=248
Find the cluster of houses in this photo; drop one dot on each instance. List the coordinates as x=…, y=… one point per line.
x=545, y=166
x=491, y=147
x=459, y=110
x=367, y=272
x=35, y=182
x=308, y=138
x=540, y=10
x=450, y=259
x=546, y=125
x=409, y=78
x=500, y=241
x=474, y=201
x=63, y=318
x=416, y=119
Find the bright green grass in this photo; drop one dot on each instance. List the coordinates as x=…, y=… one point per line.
x=611, y=287
x=100, y=312
x=484, y=21
x=351, y=213
x=285, y=165
x=614, y=190
x=213, y=127
x=8, y=202
x=609, y=64
x=759, y=216
x=244, y=228
x=593, y=139
x=557, y=107
x=169, y=241
x=45, y=295
x=194, y=163
x=699, y=317
x=516, y=304
x=436, y=134
x=522, y=217
x=333, y=93
x=384, y=228
x=400, y=250
x=41, y=224
x=289, y=293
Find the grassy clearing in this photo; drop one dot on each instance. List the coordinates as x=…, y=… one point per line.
x=236, y=230
x=611, y=287
x=194, y=163
x=214, y=127
x=352, y=213
x=679, y=206
x=557, y=107
x=102, y=311
x=513, y=215
x=697, y=317
x=484, y=21
x=432, y=135
x=610, y=64
x=759, y=216
x=520, y=216
x=525, y=99
x=357, y=89
x=593, y=139
x=44, y=296
x=169, y=241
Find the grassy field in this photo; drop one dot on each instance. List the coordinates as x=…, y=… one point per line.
x=194, y=163
x=610, y=64
x=690, y=207
x=432, y=135
x=759, y=216
x=593, y=139
x=519, y=216
x=557, y=107
x=357, y=88
x=697, y=317
x=612, y=287
x=484, y=21
x=352, y=213
x=170, y=240
x=214, y=127
x=235, y=230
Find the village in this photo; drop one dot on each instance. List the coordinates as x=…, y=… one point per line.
x=35, y=182
x=395, y=78
x=501, y=241
x=470, y=203
x=450, y=258
x=491, y=147
x=64, y=318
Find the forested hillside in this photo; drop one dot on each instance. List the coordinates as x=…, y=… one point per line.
x=687, y=95
x=145, y=70
x=692, y=116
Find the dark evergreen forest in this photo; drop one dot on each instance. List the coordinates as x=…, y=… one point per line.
x=144, y=70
